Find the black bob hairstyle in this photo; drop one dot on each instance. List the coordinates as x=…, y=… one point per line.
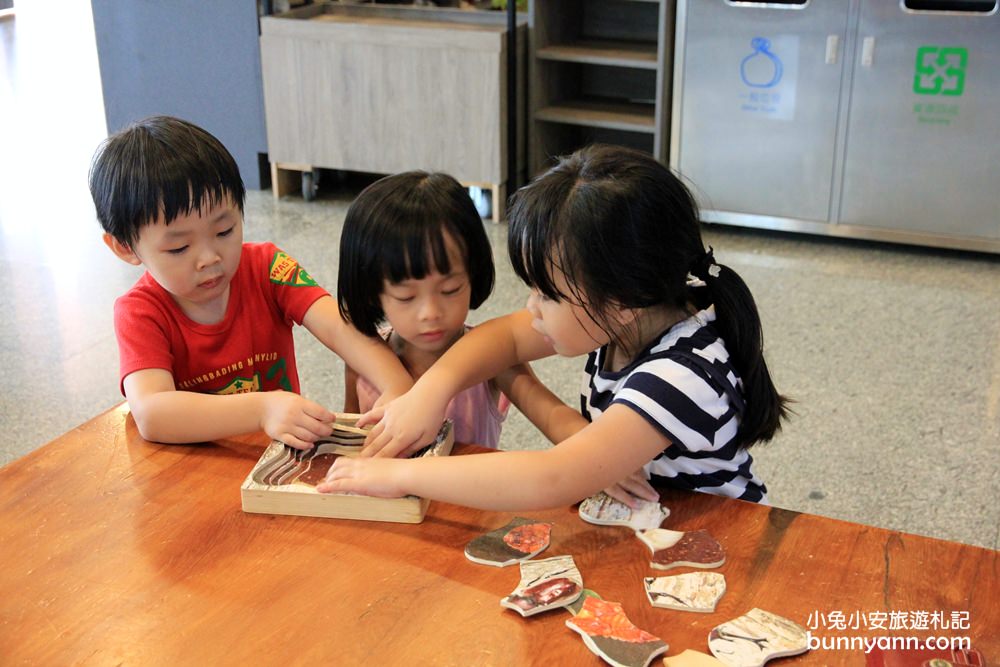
x=395, y=231
x=160, y=166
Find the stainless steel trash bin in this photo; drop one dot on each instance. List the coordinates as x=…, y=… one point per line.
x=870, y=119
x=757, y=88
x=923, y=137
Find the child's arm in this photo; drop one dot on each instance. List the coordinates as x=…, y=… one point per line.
x=414, y=419
x=608, y=450
x=351, y=403
x=550, y=415
x=164, y=414
x=370, y=357
x=557, y=422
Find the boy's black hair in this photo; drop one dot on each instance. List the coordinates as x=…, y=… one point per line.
x=395, y=231
x=160, y=166
x=624, y=231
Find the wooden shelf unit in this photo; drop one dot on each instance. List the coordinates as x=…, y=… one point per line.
x=602, y=52
x=600, y=72
x=384, y=89
x=625, y=116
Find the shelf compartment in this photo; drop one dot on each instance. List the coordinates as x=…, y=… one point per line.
x=603, y=52
x=611, y=115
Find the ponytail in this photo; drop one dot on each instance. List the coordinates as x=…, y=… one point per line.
x=738, y=323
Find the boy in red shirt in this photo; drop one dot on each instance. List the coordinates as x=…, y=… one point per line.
x=205, y=335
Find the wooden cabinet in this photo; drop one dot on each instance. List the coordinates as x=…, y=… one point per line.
x=389, y=89
x=600, y=72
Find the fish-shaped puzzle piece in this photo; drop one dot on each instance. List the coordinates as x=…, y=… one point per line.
x=519, y=540
x=692, y=591
x=672, y=548
x=603, y=510
x=756, y=637
x=545, y=584
x=610, y=635
x=691, y=658
x=574, y=607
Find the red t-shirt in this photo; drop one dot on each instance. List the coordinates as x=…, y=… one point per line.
x=251, y=349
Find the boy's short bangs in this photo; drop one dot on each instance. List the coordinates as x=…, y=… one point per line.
x=188, y=184
x=160, y=168
x=179, y=200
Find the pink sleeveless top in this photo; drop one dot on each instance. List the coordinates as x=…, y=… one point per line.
x=477, y=417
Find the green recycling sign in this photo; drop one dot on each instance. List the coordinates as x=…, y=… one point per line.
x=940, y=70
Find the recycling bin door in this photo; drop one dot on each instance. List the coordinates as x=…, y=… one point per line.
x=756, y=99
x=921, y=153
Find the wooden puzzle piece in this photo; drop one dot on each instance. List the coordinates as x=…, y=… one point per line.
x=310, y=465
x=756, y=637
x=603, y=510
x=303, y=466
x=574, y=607
x=691, y=658
x=545, y=584
x=609, y=634
x=671, y=548
x=692, y=591
x=284, y=481
x=519, y=540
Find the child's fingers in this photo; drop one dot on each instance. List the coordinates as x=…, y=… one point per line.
x=638, y=486
x=373, y=416
x=295, y=441
x=392, y=449
x=338, y=478
x=317, y=429
x=380, y=447
x=618, y=493
x=318, y=412
x=383, y=445
x=305, y=433
x=372, y=438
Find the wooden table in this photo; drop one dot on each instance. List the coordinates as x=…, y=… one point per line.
x=117, y=551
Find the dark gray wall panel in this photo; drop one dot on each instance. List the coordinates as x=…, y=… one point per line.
x=188, y=58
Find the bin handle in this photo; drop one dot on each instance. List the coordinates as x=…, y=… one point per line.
x=832, y=47
x=867, y=51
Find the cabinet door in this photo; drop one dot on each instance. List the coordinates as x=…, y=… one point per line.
x=922, y=137
x=369, y=93
x=760, y=90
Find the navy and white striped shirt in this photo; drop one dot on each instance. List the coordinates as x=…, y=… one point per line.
x=685, y=386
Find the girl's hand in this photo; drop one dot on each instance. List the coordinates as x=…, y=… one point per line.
x=295, y=421
x=368, y=476
x=633, y=488
x=404, y=425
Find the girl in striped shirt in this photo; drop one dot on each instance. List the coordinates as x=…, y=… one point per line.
x=676, y=389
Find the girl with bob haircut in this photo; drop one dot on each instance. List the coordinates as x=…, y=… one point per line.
x=676, y=389
x=414, y=259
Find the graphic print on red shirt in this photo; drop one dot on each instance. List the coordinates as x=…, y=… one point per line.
x=250, y=349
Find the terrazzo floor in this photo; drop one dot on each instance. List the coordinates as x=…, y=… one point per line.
x=891, y=353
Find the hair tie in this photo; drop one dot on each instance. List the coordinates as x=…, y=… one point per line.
x=705, y=266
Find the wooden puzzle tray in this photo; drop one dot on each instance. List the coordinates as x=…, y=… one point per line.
x=284, y=480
